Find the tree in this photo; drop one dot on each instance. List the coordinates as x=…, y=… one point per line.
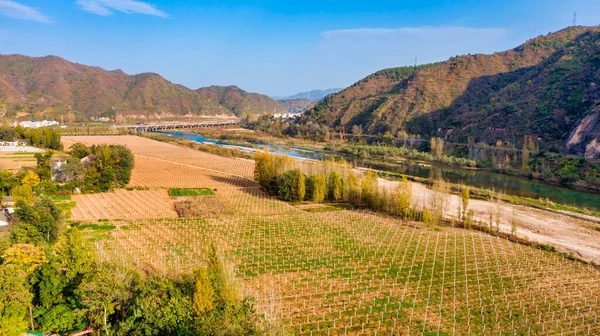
x=7, y=182
x=74, y=256
x=104, y=292
x=513, y=224
x=203, y=293
x=161, y=307
x=44, y=215
x=335, y=186
x=264, y=168
x=44, y=166
x=79, y=151
x=438, y=201
x=401, y=200
x=318, y=188
x=23, y=194
x=292, y=186
x=465, y=194
x=31, y=179
x=26, y=257
x=437, y=147
x=370, y=189
x=15, y=299
x=224, y=290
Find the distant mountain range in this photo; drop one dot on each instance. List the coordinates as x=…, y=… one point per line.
x=548, y=87
x=314, y=95
x=51, y=85
x=296, y=105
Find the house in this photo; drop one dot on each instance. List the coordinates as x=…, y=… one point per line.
x=88, y=160
x=7, y=210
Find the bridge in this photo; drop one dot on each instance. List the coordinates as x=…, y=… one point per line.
x=177, y=126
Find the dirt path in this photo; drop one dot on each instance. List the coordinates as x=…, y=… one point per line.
x=564, y=232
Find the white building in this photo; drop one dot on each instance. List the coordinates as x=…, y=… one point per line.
x=36, y=124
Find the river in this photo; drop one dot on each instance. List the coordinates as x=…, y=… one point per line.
x=511, y=185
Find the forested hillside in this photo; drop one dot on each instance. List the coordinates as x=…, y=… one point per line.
x=51, y=85
x=543, y=88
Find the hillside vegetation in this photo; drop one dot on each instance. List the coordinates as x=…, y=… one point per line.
x=49, y=85
x=544, y=88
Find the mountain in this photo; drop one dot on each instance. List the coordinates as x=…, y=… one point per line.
x=314, y=95
x=296, y=105
x=238, y=101
x=546, y=87
x=40, y=84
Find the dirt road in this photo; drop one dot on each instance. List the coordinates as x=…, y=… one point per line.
x=566, y=233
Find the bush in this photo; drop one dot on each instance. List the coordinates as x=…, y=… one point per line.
x=292, y=186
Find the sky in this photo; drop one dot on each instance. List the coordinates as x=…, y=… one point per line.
x=273, y=47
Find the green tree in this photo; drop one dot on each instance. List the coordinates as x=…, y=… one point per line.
x=44, y=164
x=73, y=255
x=15, y=300
x=103, y=293
x=161, y=307
x=292, y=185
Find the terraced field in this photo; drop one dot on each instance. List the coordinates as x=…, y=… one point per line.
x=353, y=272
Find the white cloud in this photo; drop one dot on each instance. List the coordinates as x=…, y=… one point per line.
x=18, y=11
x=105, y=7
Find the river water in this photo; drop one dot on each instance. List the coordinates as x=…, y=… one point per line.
x=511, y=185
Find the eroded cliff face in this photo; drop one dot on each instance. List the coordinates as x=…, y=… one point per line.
x=585, y=138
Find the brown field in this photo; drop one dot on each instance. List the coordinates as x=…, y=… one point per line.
x=16, y=160
x=123, y=204
x=185, y=157
x=346, y=272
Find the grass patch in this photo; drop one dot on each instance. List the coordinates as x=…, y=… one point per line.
x=96, y=227
x=190, y=192
x=66, y=206
x=61, y=198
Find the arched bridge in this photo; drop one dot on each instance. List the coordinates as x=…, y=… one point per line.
x=176, y=126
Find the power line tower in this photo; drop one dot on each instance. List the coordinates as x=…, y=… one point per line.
x=415, y=62
x=574, y=19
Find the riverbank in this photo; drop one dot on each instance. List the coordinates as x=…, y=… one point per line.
x=522, y=190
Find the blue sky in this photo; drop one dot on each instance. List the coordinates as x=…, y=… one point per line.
x=275, y=47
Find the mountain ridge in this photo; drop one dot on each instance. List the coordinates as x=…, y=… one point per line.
x=38, y=84
x=313, y=95
x=437, y=99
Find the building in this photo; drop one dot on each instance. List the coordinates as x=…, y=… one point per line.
x=36, y=124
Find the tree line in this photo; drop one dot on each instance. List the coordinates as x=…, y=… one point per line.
x=43, y=137
x=336, y=181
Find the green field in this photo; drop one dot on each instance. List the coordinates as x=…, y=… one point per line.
x=190, y=192
x=61, y=198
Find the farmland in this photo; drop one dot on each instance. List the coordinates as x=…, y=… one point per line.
x=17, y=160
x=339, y=271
